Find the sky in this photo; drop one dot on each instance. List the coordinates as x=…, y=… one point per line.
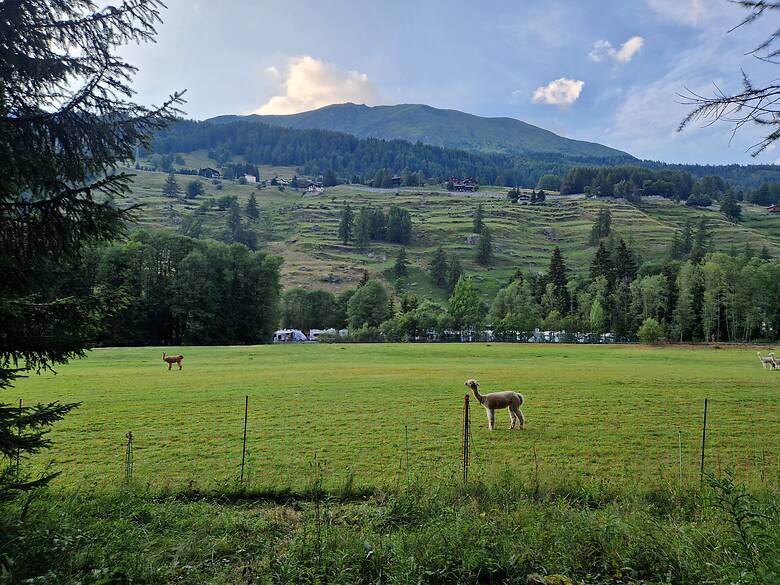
x=606, y=71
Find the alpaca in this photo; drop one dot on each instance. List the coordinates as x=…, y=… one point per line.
x=497, y=400
x=769, y=362
x=172, y=359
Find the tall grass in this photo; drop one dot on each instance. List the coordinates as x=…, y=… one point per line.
x=419, y=531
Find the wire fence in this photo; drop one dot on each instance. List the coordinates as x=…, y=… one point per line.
x=215, y=450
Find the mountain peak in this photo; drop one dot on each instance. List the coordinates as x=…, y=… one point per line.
x=439, y=127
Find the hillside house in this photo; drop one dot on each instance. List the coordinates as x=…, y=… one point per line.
x=396, y=181
x=464, y=185
x=773, y=208
x=250, y=178
x=209, y=173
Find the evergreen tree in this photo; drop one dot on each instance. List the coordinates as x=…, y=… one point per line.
x=363, y=278
x=234, y=218
x=484, y=255
x=171, y=187
x=602, y=265
x=601, y=225
x=363, y=227
x=729, y=206
x=401, y=266
x=251, y=207
x=701, y=241
x=541, y=196
x=625, y=263
x=764, y=254
x=454, y=273
x=556, y=275
x=439, y=267
x=479, y=218
x=66, y=124
x=346, y=225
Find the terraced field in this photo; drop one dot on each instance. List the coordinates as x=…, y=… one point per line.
x=303, y=229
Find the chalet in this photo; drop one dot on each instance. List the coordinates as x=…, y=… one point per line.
x=250, y=178
x=209, y=173
x=465, y=185
x=773, y=208
x=396, y=181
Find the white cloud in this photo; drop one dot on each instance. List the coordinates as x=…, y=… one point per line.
x=310, y=83
x=690, y=12
x=561, y=92
x=604, y=49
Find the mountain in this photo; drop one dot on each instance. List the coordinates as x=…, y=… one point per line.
x=429, y=125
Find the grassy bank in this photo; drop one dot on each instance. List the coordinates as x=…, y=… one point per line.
x=493, y=532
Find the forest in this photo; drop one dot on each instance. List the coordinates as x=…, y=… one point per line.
x=351, y=159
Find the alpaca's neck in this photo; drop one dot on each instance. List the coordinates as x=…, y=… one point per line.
x=477, y=395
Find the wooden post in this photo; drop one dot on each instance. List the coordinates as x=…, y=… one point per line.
x=243, y=450
x=466, y=433
x=129, y=458
x=703, y=443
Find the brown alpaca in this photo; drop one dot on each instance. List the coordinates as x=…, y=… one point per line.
x=498, y=400
x=172, y=359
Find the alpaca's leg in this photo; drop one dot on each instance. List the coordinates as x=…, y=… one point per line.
x=179, y=362
x=170, y=365
x=491, y=414
x=512, y=420
x=520, y=417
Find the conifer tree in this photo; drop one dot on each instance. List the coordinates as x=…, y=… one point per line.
x=454, y=273
x=66, y=124
x=556, y=275
x=484, y=255
x=401, y=266
x=346, y=225
x=252, y=212
x=479, y=218
x=363, y=227
x=439, y=267
x=171, y=187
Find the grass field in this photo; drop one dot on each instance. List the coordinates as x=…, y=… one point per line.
x=303, y=229
x=610, y=413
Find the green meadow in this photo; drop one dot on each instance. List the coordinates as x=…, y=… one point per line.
x=373, y=414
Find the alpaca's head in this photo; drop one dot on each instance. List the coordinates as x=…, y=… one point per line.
x=471, y=383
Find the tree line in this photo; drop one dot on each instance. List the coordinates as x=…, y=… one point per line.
x=174, y=290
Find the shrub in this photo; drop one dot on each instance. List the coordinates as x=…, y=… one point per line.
x=650, y=331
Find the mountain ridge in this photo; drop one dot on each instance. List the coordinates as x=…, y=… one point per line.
x=438, y=127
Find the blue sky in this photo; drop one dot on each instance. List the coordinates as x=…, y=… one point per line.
x=605, y=71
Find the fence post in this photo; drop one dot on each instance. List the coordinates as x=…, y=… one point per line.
x=703, y=442
x=466, y=433
x=243, y=450
x=129, y=458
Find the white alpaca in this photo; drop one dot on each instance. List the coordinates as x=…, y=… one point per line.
x=769, y=362
x=498, y=400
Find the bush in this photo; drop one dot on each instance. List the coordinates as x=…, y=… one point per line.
x=650, y=331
